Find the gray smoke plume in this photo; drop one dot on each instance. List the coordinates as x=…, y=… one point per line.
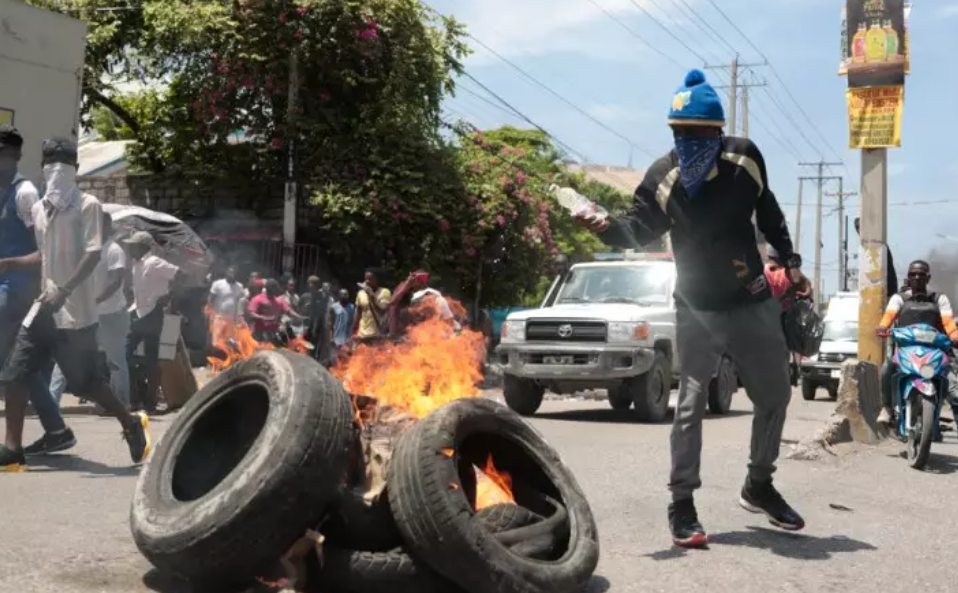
x=944, y=270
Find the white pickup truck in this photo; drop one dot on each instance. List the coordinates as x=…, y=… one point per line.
x=604, y=325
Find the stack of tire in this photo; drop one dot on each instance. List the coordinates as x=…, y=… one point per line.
x=262, y=453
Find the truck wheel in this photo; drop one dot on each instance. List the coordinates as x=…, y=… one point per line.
x=524, y=396
x=650, y=392
x=808, y=390
x=722, y=387
x=620, y=399
x=833, y=392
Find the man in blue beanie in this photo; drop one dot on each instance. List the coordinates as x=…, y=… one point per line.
x=705, y=192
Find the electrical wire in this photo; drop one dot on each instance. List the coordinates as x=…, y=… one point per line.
x=669, y=31
x=636, y=35
x=709, y=26
x=680, y=26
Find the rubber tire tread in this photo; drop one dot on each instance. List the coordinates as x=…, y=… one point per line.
x=280, y=488
x=928, y=409
x=641, y=387
x=717, y=406
x=354, y=524
x=523, y=396
x=809, y=390
x=436, y=519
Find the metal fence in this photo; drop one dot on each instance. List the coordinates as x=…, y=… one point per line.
x=266, y=257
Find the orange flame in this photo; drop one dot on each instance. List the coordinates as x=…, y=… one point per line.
x=432, y=366
x=493, y=487
x=235, y=340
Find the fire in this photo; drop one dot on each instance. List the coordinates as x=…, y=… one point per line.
x=493, y=487
x=235, y=340
x=433, y=365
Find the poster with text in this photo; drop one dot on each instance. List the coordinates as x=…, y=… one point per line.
x=874, y=42
x=6, y=116
x=874, y=116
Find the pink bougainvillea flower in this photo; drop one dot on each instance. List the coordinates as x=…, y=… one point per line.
x=505, y=150
x=501, y=219
x=471, y=252
x=492, y=160
x=301, y=9
x=282, y=18
x=277, y=143
x=444, y=225
x=520, y=177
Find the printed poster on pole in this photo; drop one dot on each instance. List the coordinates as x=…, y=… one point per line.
x=874, y=42
x=874, y=116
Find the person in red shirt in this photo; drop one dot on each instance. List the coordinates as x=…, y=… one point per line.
x=266, y=310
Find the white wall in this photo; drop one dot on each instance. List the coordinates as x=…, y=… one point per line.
x=41, y=69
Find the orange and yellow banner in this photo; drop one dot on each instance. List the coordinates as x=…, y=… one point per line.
x=874, y=116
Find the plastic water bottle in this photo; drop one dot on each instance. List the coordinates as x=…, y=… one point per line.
x=577, y=204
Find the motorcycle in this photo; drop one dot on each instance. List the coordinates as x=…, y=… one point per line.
x=921, y=355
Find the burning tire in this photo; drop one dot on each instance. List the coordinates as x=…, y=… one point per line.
x=355, y=524
x=395, y=571
x=522, y=395
x=251, y=462
x=432, y=500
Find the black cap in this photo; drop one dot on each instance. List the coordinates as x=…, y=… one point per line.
x=60, y=150
x=10, y=137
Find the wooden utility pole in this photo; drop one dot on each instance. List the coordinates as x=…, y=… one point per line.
x=820, y=178
x=735, y=70
x=842, y=234
x=872, y=275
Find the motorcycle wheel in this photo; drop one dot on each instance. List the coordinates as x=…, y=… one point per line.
x=922, y=433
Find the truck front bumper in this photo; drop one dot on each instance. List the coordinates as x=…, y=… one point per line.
x=583, y=362
x=822, y=373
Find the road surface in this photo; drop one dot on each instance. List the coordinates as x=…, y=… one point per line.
x=873, y=523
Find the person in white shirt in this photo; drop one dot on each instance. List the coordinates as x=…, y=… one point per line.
x=225, y=295
x=62, y=324
x=152, y=280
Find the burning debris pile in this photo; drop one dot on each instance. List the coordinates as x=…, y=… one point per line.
x=412, y=483
x=233, y=341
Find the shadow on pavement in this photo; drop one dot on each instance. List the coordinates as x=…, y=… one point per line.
x=611, y=416
x=71, y=463
x=155, y=580
x=791, y=545
x=942, y=464
x=597, y=584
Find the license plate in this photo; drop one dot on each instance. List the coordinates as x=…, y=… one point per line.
x=558, y=360
x=836, y=374
x=924, y=336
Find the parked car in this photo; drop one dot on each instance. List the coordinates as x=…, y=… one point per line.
x=606, y=324
x=840, y=343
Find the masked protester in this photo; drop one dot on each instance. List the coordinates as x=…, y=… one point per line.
x=911, y=306
x=20, y=283
x=62, y=325
x=705, y=192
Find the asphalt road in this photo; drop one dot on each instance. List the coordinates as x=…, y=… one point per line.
x=873, y=523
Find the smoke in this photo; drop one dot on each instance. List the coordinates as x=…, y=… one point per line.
x=944, y=270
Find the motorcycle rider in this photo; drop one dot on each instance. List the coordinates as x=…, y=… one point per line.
x=911, y=306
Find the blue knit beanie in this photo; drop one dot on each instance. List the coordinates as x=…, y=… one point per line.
x=696, y=103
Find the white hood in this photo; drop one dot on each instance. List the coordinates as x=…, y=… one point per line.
x=615, y=312
x=848, y=348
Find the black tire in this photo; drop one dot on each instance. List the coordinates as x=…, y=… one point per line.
x=923, y=433
x=395, y=571
x=524, y=396
x=650, y=392
x=620, y=399
x=808, y=390
x=355, y=524
x=833, y=392
x=433, y=507
x=722, y=387
x=250, y=463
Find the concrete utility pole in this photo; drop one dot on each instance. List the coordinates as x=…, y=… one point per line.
x=735, y=69
x=798, y=216
x=290, y=201
x=872, y=274
x=842, y=233
x=818, y=219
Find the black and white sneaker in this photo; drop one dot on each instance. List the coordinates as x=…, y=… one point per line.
x=51, y=443
x=684, y=524
x=762, y=497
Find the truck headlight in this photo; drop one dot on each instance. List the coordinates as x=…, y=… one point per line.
x=927, y=371
x=513, y=332
x=628, y=332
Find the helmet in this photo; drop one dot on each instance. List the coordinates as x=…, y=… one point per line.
x=803, y=328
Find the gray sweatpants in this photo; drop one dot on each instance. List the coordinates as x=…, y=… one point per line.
x=752, y=337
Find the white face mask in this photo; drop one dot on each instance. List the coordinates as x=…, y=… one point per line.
x=61, y=186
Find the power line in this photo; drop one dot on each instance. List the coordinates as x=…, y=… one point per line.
x=777, y=76
x=635, y=34
x=678, y=25
x=709, y=25
x=561, y=97
x=669, y=31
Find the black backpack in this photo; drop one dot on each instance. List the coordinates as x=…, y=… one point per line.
x=803, y=326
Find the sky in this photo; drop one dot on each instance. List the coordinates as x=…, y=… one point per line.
x=610, y=95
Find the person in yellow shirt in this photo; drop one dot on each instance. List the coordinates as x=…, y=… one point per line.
x=372, y=304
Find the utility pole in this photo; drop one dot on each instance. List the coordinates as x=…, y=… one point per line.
x=872, y=275
x=735, y=69
x=290, y=201
x=818, y=219
x=842, y=233
x=798, y=216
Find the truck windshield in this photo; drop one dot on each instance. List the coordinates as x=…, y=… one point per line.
x=840, y=331
x=641, y=285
